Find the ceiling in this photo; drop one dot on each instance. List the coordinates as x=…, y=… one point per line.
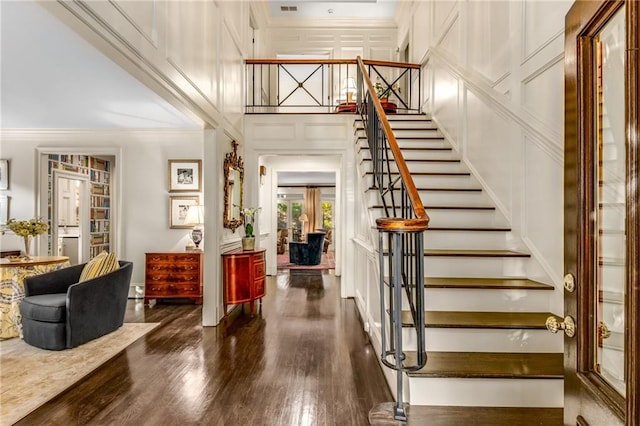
x=52, y=78
x=306, y=178
x=365, y=9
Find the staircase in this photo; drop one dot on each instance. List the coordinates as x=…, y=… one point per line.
x=486, y=338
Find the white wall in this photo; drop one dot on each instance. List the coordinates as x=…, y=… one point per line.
x=494, y=84
x=191, y=54
x=142, y=194
x=339, y=43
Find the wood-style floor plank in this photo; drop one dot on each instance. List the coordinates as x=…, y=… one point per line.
x=303, y=360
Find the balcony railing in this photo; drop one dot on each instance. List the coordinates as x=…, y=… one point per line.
x=326, y=86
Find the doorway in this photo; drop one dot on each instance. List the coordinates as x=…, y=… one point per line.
x=77, y=195
x=70, y=219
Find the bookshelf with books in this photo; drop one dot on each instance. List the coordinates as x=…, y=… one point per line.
x=98, y=170
x=100, y=215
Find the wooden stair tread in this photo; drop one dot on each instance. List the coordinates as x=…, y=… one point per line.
x=416, y=148
x=474, y=253
x=487, y=320
x=468, y=229
x=380, y=206
x=441, y=189
x=489, y=365
x=424, y=129
x=427, y=160
x=428, y=173
x=486, y=283
x=417, y=138
x=420, y=415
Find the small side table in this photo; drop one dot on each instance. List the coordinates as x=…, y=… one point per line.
x=244, y=275
x=13, y=273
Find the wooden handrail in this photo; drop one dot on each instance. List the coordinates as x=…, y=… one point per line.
x=421, y=221
x=330, y=62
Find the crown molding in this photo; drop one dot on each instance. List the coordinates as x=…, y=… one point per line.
x=307, y=23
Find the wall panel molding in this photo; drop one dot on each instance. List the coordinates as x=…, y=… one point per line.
x=539, y=132
x=526, y=57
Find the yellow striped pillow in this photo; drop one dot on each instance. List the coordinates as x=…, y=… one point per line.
x=100, y=265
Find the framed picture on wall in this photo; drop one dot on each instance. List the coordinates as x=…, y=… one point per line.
x=4, y=210
x=185, y=175
x=4, y=174
x=178, y=208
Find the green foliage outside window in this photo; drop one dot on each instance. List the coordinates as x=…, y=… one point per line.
x=327, y=215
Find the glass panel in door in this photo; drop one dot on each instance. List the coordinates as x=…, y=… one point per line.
x=610, y=203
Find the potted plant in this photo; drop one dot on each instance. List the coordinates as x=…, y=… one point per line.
x=383, y=93
x=27, y=229
x=249, y=240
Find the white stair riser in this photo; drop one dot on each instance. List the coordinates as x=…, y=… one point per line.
x=485, y=340
x=483, y=300
x=472, y=267
x=469, y=267
x=420, y=155
x=613, y=245
x=486, y=392
x=412, y=143
x=433, y=167
x=466, y=240
x=442, y=198
x=403, y=122
x=468, y=218
x=439, y=181
x=408, y=133
x=398, y=125
x=452, y=218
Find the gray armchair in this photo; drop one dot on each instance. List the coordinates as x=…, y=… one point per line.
x=59, y=312
x=309, y=252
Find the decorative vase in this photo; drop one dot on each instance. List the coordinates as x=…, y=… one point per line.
x=27, y=245
x=248, y=243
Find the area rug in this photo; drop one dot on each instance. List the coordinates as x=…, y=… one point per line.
x=328, y=262
x=31, y=376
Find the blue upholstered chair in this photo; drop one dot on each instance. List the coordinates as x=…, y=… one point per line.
x=309, y=252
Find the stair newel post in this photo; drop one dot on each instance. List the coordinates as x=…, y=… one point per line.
x=420, y=299
x=396, y=253
x=383, y=290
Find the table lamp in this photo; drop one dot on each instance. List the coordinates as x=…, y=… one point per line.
x=349, y=88
x=195, y=217
x=303, y=218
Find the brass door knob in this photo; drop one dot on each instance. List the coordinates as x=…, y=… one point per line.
x=603, y=330
x=568, y=325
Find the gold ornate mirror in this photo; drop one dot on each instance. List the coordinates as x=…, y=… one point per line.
x=233, y=188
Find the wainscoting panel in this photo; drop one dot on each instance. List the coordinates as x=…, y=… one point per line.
x=489, y=149
x=191, y=30
x=542, y=89
x=488, y=34
x=446, y=104
x=541, y=23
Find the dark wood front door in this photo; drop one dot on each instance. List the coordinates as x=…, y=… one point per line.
x=602, y=290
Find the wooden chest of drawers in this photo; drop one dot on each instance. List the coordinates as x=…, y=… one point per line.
x=173, y=275
x=244, y=274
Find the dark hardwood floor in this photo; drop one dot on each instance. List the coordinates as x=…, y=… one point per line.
x=303, y=360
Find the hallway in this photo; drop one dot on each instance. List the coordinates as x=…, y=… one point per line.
x=299, y=362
